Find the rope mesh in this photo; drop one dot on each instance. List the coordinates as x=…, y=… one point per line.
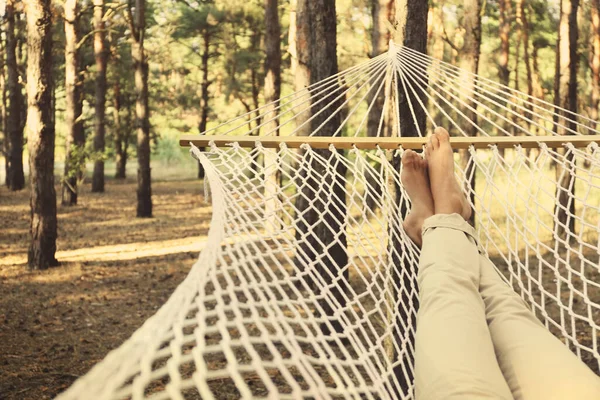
x=307, y=286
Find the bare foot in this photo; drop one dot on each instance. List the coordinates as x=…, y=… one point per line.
x=416, y=182
x=448, y=196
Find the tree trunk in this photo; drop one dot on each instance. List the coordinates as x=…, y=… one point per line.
x=121, y=132
x=469, y=62
x=21, y=35
x=566, y=96
x=557, y=74
x=272, y=63
x=300, y=64
x=595, y=64
x=15, y=178
x=40, y=135
x=411, y=31
x=437, y=50
x=524, y=27
x=142, y=113
x=535, y=78
x=513, y=128
x=272, y=92
x=255, y=39
x=292, y=35
x=100, y=55
x=204, y=108
x=74, y=103
x=382, y=12
x=504, y=21
x=3, y=103
x=321, y=221
x=505, y=9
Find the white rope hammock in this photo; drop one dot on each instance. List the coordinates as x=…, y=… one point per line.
x=307, y=286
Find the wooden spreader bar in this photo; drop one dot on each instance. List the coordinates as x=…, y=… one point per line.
x=319, y=142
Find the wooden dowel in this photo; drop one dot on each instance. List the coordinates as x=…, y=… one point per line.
x=319, y=142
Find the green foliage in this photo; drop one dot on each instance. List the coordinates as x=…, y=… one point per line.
x=177, y=31
x=168, y=151
x=79, y=155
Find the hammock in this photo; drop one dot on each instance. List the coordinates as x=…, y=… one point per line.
x=307, y=285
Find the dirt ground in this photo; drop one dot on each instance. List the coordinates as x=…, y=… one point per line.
x=116, y=271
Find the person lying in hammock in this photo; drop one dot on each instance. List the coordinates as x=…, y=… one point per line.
x=475, y=337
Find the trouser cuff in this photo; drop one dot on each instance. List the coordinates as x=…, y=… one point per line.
x=451, y=221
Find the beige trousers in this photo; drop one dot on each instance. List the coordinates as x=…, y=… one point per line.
x=476, y=338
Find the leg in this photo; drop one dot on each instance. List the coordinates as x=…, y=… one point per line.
x=415, y=180
x=454, y=353
x=535, y=364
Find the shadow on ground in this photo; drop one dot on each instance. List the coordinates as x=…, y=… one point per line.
x=116, y=271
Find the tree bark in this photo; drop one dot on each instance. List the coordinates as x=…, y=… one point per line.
x=505, y=9
x=323, y=219
x=411, y=31
x=523, y=21
x=469, y=62
x=437, y=50
x=121, y=132
x=15, y=178
x=272, y=60
x=272, y=92
x=204, y=96
x=300, y=63
x=595, y=64
x=382, y=12
x=469, y=55
x=255, y=39
x=142, y=113
x=557, y=73
x=75, y=139
x=292, y=36
x=3, y=103
x=21, y=35
x=100, y=55
x=40, y=135
x=566, y=96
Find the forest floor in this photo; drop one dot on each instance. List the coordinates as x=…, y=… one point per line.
x=116, y=271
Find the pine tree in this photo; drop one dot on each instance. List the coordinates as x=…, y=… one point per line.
x=142, y=112
x=316, y=43
x=469, y=62
x=595, y=62
x=41, y=135
x=75, y=139
x=411, y=31
x=566, y=97
x=100, y=54
x=15, y=177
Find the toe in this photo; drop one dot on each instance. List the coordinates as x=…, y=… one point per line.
x=408, y=158
x=442, y=135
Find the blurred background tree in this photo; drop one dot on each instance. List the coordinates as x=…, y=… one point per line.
x=206, y=64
